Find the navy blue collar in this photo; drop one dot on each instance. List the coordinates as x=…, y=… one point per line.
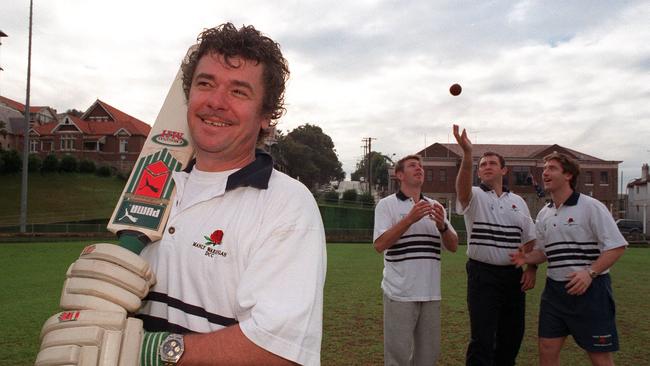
x=571, y=201
x=403, y=197
x=256, y=174
x=487, y=188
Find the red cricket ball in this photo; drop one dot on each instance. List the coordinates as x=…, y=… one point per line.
x=455, y=89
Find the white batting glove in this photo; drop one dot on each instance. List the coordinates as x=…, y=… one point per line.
x=106, y=277
x=90, y=338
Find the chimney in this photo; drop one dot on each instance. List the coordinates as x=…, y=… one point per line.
x=645, y=174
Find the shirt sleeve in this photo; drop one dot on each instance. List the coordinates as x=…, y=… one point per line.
x=528, y=226
x=280, y=297
x=540, y=241
x=604, y=227
x=383, y=219
x=472, y=202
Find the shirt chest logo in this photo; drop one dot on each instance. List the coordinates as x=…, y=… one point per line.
x=570, y=222
x=212, y=244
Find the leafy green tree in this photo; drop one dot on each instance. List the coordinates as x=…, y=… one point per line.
x=308, y=154
x=379, y=165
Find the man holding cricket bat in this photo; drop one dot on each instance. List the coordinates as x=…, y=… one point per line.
x=240, y=268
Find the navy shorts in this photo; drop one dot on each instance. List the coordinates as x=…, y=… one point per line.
x=589, y=318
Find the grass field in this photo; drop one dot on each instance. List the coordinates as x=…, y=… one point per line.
x=76, y=197
x=352, y=335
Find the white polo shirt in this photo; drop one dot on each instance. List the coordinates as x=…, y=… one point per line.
x=496, y=226
x=250, y=251
x=412, y=264
x=575, y=234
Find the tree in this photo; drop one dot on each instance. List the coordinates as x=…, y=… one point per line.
x=308, y=154
x=379, y=164
x=74, y=112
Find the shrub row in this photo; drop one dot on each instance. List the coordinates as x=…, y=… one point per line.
x=11, y=162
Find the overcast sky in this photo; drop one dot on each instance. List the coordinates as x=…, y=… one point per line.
x=573, y=73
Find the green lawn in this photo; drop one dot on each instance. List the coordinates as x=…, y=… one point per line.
x=352, y=334
x=59, y=197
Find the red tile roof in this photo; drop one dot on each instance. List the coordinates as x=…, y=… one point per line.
x=511, y=151
x=89, y=127
x=19, y=106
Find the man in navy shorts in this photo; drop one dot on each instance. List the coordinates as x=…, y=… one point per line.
x=577, y=235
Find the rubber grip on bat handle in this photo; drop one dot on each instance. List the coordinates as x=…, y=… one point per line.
x=133, y=240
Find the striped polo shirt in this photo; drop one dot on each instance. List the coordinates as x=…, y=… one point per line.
x=496, y=226
x=412, y=264
x=575, y=234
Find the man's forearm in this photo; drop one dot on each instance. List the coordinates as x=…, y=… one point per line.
x=450, y=240
x=392, y=235
x=464, y=180
x=535, y=257
x=228, y=346
x=607, y=259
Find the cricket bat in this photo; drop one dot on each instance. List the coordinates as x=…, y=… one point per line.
x=144, y=206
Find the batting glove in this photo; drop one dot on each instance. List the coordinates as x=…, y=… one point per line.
x=106, y=277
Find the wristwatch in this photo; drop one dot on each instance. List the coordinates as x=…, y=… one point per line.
x=592, y=273
x=444, y=229
x=171, y=349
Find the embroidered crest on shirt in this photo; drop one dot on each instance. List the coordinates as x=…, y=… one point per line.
x=515, y=208
x=211, y=243
x=215, y=238
x=570, y=222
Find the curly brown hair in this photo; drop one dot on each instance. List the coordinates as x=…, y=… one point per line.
x=250, y=44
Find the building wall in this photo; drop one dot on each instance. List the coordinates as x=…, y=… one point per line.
x=444, y=191
x=639, y=203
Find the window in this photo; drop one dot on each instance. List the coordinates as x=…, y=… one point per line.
x=124, y=145
x=90, y=145
x=521, y=174
x=33, y=145
x=604, y=178
x=443, y=175
x=429, y=175
x=589, y=177
x=67, y=142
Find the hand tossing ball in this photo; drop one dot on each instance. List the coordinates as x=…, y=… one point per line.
x=455, y=89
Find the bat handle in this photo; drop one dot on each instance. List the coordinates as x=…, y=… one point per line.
x=132, y=240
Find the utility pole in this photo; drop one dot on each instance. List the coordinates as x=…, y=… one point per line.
x=23, y=193
x=368, y=144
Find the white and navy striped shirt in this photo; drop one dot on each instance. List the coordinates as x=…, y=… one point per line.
x=496, y=226
x=575, y=234
x=412, y=264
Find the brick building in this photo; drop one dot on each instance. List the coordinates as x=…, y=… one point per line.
x=103, y=134
x=598, y=177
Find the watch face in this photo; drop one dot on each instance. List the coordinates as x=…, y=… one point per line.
x=171, y=349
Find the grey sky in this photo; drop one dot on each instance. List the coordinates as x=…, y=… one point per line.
x=541, y=72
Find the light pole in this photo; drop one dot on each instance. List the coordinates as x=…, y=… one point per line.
x=23, y=191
